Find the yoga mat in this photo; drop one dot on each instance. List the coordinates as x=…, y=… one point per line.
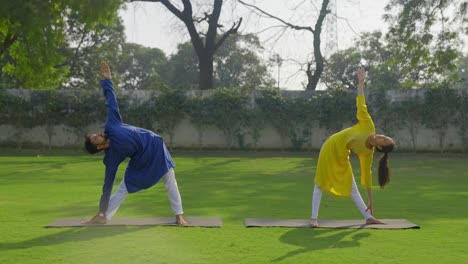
x=389, y=223
x=161, y=221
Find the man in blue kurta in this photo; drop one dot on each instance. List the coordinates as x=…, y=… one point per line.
x=150, y=160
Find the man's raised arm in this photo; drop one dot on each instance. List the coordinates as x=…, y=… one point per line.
x=113, y=114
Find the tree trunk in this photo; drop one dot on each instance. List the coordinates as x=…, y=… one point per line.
x=314, y=78
x=206, y=72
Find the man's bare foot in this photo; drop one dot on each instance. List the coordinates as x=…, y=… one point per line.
x=373, y=221
x=180, y=220
x=105, y=70
x=313, y=223
x=98, y=219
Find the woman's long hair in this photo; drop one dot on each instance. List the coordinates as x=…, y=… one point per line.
x=384, y=170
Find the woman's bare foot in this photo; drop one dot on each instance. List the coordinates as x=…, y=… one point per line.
x=180, y=220
x=373, y=221
x=313, y=223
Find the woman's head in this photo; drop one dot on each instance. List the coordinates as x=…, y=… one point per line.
x=385, y=145
x=95, y=142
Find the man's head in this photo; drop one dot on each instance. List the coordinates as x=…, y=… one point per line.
x=95, y=142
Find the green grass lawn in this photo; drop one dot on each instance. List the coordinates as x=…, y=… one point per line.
x=430, y=190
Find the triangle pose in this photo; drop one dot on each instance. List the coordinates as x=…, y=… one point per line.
x=334, y=173
x=150, y=160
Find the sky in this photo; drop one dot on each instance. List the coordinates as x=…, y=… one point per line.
x=151, y=25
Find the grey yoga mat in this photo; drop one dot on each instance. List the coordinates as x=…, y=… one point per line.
x=305, y=223
x=163, y=221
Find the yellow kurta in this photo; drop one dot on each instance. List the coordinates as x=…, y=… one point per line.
x=334, y=173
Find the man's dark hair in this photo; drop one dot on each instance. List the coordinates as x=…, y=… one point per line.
x=90, y=147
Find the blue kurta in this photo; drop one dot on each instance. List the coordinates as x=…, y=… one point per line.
x=149, y=157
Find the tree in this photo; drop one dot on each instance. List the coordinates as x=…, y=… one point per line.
x=183, y=68
x=87, y=47
x=32, y=37
x=423, y=39
x=340, y=70
x=205, y=44
x=236, y=65
x=313, y=75
x=141, y=67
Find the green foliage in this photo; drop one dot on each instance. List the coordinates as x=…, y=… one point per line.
x=228, y=110
x=50, y=110
x=336, y=107
x=273, y=105
x=198, y=112
x=411, y=113
x=84, y=108
x=423, y=51
x=255, y=121
x=340, y=69
x=236, y=64
x=385, y=113
x=33, y=35
x=169, y=111
x=440, y=106
x=87, y=47
x=461, y=118
x=142, y=68
x=183, y=67
x=139, y=114
x=291, y=117
x=16, y=111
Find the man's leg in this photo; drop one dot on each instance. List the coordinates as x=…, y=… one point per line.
x=173, y=194
x=116, y=199
x=316, y=198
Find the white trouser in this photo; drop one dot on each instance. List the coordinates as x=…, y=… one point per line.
x=355, y=195
x=170, y=184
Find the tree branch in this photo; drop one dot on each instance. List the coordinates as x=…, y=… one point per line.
x=205, y=18
x=9, y=40
x=232, y=30
x=296, y=27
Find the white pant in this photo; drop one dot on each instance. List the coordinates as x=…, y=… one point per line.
x=355, y=195
x=170, y=184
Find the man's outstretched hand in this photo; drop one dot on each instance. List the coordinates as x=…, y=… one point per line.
x=105, y=70
x=98, y=219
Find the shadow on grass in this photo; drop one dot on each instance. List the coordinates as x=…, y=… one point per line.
x=318, y=239
x=71, y=235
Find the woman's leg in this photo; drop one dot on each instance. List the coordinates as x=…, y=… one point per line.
x=116, y=200
x=316, y=197
x=356, y=196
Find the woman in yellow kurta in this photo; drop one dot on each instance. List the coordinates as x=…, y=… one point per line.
x=334, y=173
